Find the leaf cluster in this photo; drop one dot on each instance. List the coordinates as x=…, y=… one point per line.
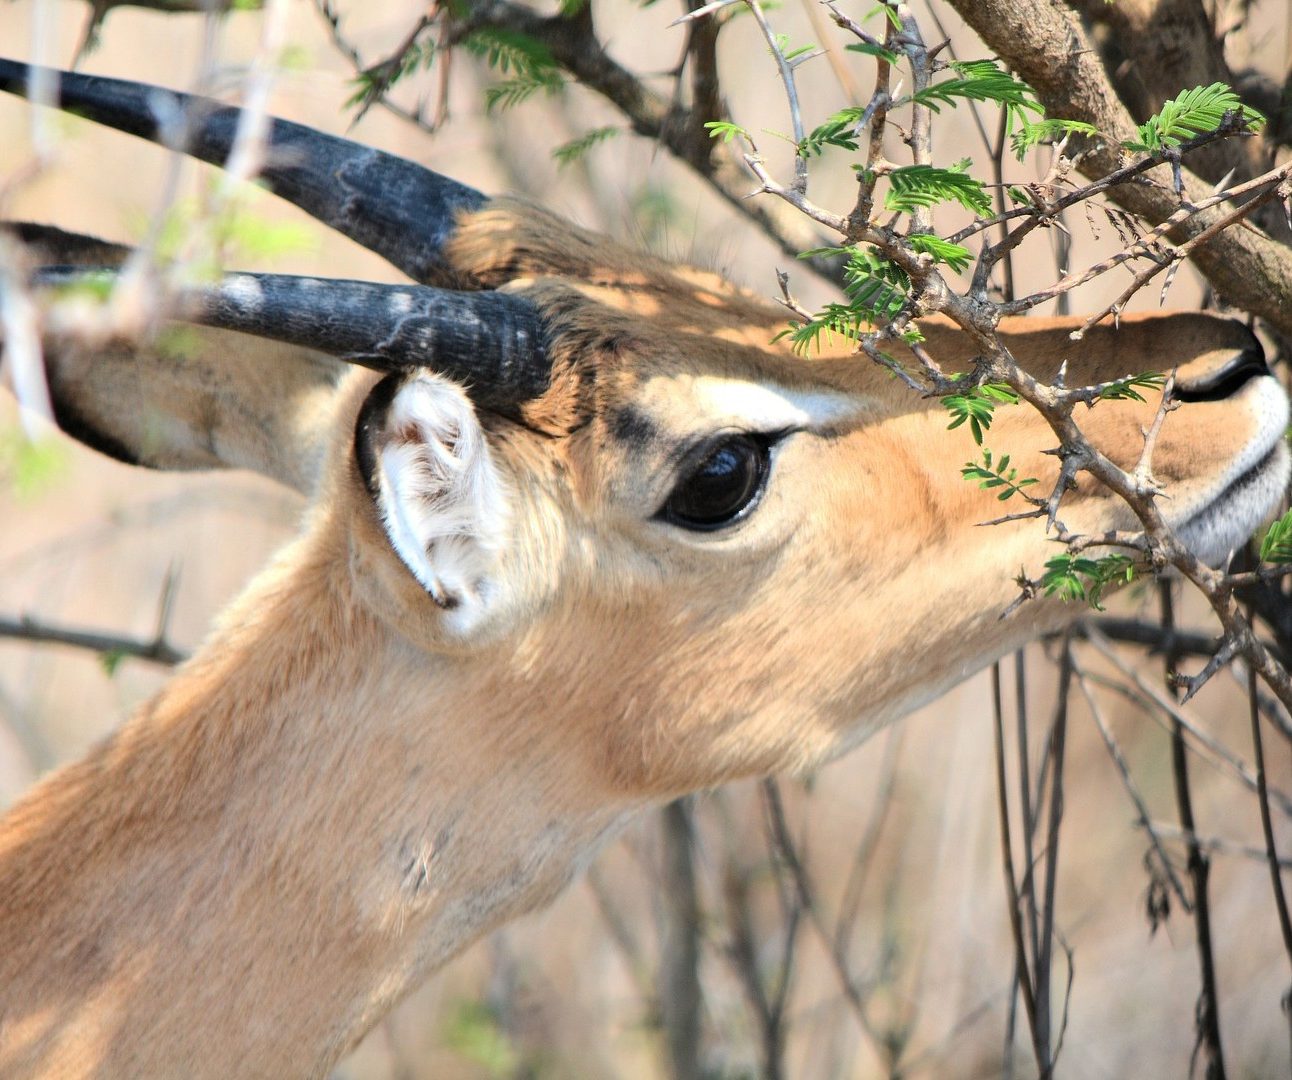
x=527, y=61
x=372, y=82
x=982, y=80
x=1032, y=133
x=915, y=187
x=1193, y=112
x=570, y=152
x=1076, y=577
x=977, y=407
x=1276, y=544
x=1128, y=389
x=996, y=474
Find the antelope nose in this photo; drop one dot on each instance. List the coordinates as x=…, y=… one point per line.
x=1225, y=378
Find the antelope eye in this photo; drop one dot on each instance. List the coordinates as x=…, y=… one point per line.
x=723, y=487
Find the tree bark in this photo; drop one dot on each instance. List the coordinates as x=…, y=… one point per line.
x=1045, y=44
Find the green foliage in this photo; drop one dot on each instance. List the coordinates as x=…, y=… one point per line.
x=240, y=231
x=877, y=51
x=839, y=130
x=573, y=150
x=943, y=251
x=1194, y=112
x=474, y=1032
x=982, y=80
x=1276, y=544
x=789, y=52
x=977, y=407
x=996, y=473
x=111, y=660
x=372, y=83
x=875, y=286
x=509, y=52
x=177, y=341
x=1032, y=133
x=90, y=285
x=726, y=131
x=512, y=92
x=1128, y=389
x=876, y=290
x=31, y=466
x=527, y=61
x=834, y=319
x=1075, y=577
x=918, y=186
x=889, y=12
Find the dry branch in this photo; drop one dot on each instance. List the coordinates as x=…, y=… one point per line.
x=1044, y=43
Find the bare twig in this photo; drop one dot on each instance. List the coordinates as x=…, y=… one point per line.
x=157, y=650
x=1143, y=819
x=1207, y=1017
x=679, y=978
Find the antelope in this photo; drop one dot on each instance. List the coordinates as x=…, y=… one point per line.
x=582, y=538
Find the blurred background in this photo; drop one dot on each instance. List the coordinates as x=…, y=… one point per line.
x=849, y=924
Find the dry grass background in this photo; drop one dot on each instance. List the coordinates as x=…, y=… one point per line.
x=93, y=546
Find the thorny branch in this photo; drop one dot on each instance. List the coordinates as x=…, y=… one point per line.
x=1197, y=226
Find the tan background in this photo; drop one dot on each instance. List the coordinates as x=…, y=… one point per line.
x=93, y=547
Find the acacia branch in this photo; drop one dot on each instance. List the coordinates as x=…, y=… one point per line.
x=573, y=43
x=1043, y=42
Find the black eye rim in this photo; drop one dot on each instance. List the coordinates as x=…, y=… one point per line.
x=760, y=443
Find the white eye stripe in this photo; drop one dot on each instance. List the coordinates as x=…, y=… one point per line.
x=763, y=406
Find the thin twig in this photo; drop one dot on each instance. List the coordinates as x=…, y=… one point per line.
x=1207, y=1016
x=26, y=628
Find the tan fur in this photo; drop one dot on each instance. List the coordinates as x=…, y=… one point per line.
x=337, y=794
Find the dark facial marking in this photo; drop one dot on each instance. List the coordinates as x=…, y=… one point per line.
x=633, y=428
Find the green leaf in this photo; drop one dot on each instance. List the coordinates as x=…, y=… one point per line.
x=787, y=53
x=917, y=186
x=877, y=51
x=111, y=660
x=1127, y=389
x=943, y=251
x=996, y=474
x=31, y=467
x=726, y=131
x=371, y=84
x=474, y=1031
x=977, y=406
x=1276, y=544
x=894, y=19
x=509, y=51
x=1032, y=133
x=512, y=92
x=840, y=130
x=571, y=151
x=876, y=289
x=1193, y=112
x=1075, y=577
x=981, y=80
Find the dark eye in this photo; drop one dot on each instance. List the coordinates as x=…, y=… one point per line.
x=723, y=486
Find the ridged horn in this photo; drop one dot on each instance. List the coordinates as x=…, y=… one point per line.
x=395, y=207
x=493, y=343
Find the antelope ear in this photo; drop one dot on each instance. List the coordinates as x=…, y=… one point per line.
x=442, y=500
x=198, y=398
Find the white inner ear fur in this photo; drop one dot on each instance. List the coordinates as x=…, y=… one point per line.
x=444, y=503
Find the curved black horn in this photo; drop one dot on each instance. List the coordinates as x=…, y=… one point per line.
x=395, y=207
x=493, y=343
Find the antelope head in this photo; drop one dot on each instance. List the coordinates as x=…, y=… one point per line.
x=583, y=537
